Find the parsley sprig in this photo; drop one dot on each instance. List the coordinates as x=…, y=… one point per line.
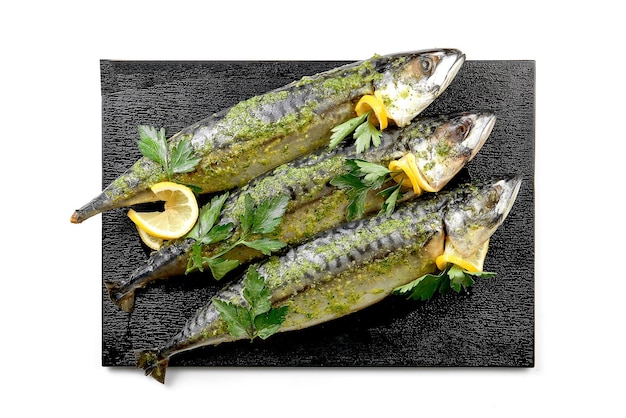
x=177, y=159
x=258, y=319
x=362, y=177
x=364, y=133
x=453, y=277
x=255, y=221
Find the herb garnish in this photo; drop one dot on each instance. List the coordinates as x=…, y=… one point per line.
x=255, y=220
x=258, y=319
x=365, y=133
x=453, y=277
x=362, y=177
x=153, y=145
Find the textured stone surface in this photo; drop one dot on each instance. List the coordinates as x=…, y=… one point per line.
x=492, y=324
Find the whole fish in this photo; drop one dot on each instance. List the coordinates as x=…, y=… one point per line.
x=441, y=145
x=258, y=134
x=348, y=268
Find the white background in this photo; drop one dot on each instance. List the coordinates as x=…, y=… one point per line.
x=51, y=163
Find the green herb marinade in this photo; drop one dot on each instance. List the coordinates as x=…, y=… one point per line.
x=253, y=118
x=294, y=274
x=257, y=132
x=361, y=284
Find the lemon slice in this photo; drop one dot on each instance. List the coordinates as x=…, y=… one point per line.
x=373, y=103
x=153, y=243
x=179, y=216
x=472, y=264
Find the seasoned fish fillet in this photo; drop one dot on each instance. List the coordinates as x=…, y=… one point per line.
x=348, y=268
x=441, y=146
x=265, y=131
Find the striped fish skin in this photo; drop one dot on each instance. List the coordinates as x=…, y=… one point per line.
x=348, y=268
x=315, y=205
x=268, y=130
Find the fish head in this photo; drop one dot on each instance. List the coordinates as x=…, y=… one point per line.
x=477, y=211
x=410, y=82
x=447, y=143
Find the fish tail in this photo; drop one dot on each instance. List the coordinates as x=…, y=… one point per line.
x=126, y=191
x=125, y=300
x=95, y=206
x=153, y=364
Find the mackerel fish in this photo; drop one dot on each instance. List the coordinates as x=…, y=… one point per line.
x=353, y=266
x=441, y=145
x=256, y=135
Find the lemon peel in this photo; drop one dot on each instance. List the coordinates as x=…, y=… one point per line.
x=414, y=177
x=373, y=103
x=473, y=263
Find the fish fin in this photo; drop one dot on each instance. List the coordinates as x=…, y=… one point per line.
x=153, y=364
x=126, y=303
x=124, y=300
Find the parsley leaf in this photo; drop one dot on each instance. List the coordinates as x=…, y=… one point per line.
x=182, y=159
x=262, y=219
x=267, y=215
x=255, y=220
x=258, y=319
x=237, y=318
x=357, y=193
x=265, y=245
x=458, y=279
x=453, y=277
x=207, y=217
x=245, y=220
x=220, y=267
x=255, y=293
x=422, y=288
x=153, y=145
x=269, y=322
x=217, y=233
x=374, y=175
x=341, y=132
x=362, y=177
x=391, y=195
x=364, y=133
x=195, y=261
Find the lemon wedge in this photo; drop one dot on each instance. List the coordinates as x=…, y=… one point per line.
x=179, y=216
x=153, y=243
x=471, y=264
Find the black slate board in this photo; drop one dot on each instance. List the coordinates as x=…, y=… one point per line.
x=492, y=324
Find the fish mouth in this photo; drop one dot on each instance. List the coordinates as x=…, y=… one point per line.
x=482, y=126
x=453, y=59
x=508, y=189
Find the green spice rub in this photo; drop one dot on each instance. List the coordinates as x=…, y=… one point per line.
x=265, y=131
x=353, y=266
x=314, y=204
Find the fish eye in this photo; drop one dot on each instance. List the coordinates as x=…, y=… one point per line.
x=426, y=65
x=461, y=130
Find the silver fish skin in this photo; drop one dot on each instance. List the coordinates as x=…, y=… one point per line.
x=348, y=268
x=442, y=145
x=265, y=131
